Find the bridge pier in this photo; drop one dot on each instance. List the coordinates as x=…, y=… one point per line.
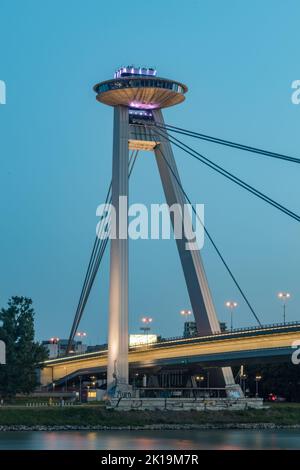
x=196, y=281
x=117, y=365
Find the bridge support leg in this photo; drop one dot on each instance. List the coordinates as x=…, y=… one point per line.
x=117, y=369
x=195, y=277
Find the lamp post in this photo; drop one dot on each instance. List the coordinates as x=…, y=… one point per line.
x=185, y=313
x=258, y=378
x=231, y=305
x=54, y=340
x=200, y=379
x=135, y=378
x=244, y=377
x=81, y=334
x=55, y=350
x=146, y=325
x=284, y=296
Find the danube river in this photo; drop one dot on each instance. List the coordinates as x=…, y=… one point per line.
x=152, y=440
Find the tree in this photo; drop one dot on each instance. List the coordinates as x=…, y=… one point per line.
x=23, y=354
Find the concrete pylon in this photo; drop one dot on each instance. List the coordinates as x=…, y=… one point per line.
x=137, y=95
x=194, y=273
x=117, y=371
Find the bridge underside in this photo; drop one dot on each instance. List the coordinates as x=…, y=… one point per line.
x=190, y=366
x=189, y=354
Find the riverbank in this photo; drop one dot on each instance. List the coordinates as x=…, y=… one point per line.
x=153, y=427
x=96, y=417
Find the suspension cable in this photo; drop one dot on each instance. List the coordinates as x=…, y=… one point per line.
x=198, y=156
x=211, y=239
x=98, y=250
x=228, y=143
x=87, y=276
x=101, y=252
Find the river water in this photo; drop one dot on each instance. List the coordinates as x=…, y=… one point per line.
x=151, y=440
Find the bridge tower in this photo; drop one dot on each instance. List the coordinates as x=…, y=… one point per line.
x=138, y=97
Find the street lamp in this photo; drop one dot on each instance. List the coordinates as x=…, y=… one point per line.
x=146, y=326
x=55, y=349
x=244, y=377
x=257, y=380
x=81, y=334
x=231, y=305
x=284, y=296
x=54, y=340
x=185, y=313
x=93, y=380
x=200, y=379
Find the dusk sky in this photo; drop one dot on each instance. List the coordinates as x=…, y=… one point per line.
x=238, y=60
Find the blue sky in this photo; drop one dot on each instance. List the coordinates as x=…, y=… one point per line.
x=238, y=60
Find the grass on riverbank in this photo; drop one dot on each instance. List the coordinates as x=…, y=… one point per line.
x=279, y=414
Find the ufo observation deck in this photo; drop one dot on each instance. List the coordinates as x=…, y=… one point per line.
x=140, y=88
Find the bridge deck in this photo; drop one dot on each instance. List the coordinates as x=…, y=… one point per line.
x=219, y=349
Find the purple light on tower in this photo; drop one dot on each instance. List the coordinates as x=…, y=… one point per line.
x=139, y=105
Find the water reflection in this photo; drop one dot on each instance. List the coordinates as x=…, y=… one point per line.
x=156, y=440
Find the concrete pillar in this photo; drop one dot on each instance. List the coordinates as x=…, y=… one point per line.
x=117, y=369
x=195, y=277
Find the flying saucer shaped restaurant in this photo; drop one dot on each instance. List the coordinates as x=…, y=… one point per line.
x=140, y=88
